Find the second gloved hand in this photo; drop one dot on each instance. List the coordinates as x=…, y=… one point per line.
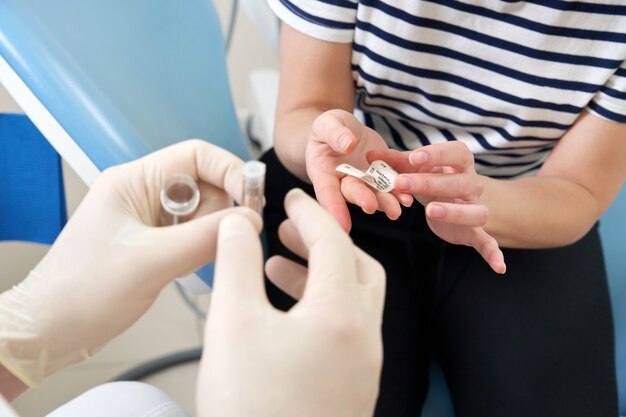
x=324, y=356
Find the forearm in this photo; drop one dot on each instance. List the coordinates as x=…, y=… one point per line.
x=539, y=212
x=575, y=185
x=315, y=76
x=292, y=132
x=10, y=386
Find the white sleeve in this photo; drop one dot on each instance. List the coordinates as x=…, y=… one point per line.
x=610, y=102
x=5, y=408
x=328, y=20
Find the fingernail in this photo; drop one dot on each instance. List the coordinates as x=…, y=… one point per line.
x=402, y=183
x=418, y=158
x=436, y=211
x=406, y=200
x=345, y=141
x=394, y=218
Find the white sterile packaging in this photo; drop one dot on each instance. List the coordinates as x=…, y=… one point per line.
x=379, y=175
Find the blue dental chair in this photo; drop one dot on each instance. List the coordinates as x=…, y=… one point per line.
x=110, y=81
x=613, y=232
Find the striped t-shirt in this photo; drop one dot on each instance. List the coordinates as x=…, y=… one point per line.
x=506, y=77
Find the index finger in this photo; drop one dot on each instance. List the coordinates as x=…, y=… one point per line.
x=331, y=251
x=200, y=160
x=454, y=154
x=398, y=160
x=327, y=186
x=328, y=192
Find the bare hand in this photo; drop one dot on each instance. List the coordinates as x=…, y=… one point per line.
x=338, y=137
x=442, y=177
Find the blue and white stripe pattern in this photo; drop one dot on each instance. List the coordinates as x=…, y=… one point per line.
x=506, y=77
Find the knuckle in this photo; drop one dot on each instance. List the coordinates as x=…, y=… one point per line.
x=480, y=187
x=461, y=147
x=348, y=329
x=465, y=188
x=194, y=142
x=328, y=193
x=455, y=214
x=377, y=270
x=438, y=154
x=466, y=156
x=484, y=215
x=426, y=184
x=336, y=112
x=332, y=238
x=113, y=175
x=318, y=124
x=337, y=132
x=110, y=171
x=336, y=236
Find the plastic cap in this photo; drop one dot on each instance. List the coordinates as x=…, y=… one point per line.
x=253, y=171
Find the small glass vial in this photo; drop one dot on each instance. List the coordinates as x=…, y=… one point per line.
x=180, y=196
x=253, y=185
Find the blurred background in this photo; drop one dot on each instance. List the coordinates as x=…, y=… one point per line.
x=169, y=326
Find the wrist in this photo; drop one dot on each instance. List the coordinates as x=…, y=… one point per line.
x=33, y=343
x=292, y=161
x=537, y=212
x=20, y=343
x=293, y=134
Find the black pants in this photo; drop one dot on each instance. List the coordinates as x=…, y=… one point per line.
x=536, y=342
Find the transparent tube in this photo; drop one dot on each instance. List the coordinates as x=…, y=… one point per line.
x=180, y=196
x=253, y=185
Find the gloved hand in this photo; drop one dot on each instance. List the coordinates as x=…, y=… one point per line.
x=324, y=356
x=111, y=261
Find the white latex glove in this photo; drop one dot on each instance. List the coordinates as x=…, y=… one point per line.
x=324, y=356
x=110, y=261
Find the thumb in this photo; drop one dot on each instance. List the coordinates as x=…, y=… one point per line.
x=336, y=129
x=179, y=250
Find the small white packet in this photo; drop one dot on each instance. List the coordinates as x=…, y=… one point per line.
x=379, y=175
